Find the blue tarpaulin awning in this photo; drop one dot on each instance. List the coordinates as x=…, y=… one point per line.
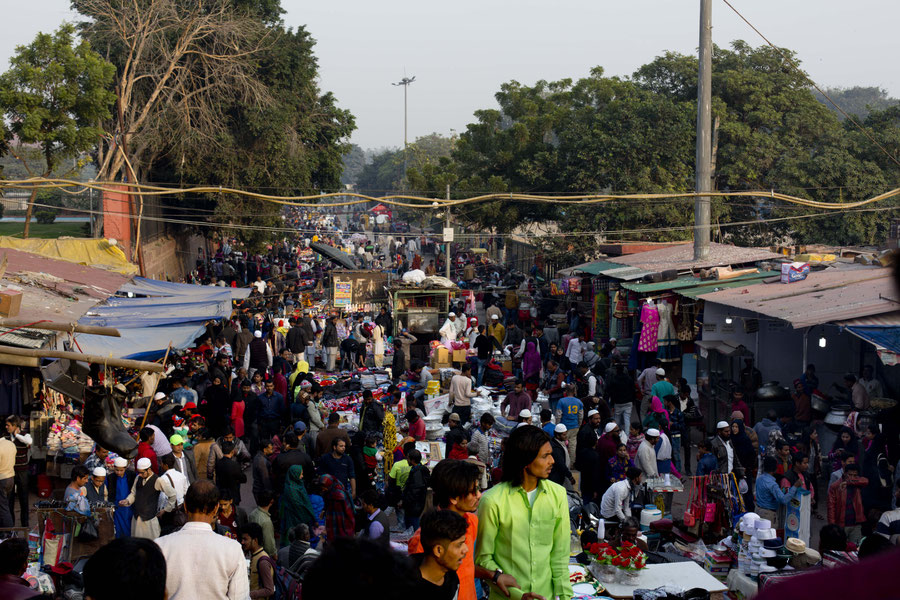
x=156, y=315
x=881, y=336
x=144, y=343
x=142, y=286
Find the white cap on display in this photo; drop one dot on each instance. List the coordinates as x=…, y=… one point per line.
x=120, y=462
x=722, y=425
x=99, y=472
x=560, y=428
x=609, y=426
x=143, y=464
x=653, y=432
x=525, y=414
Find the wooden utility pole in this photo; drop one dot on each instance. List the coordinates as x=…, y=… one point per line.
x=703, y=164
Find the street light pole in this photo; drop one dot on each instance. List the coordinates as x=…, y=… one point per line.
x=405, y=82
x=703, y=166
x=446, y=227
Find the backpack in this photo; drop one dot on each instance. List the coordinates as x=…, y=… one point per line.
x=287, y=584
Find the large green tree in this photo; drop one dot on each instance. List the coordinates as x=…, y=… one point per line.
x=55, y=92
x=611, y=135
x=218, y=93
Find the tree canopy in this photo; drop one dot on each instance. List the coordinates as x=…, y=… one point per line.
x=604, y=134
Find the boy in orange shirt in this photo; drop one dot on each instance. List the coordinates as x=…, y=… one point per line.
x=455, y=487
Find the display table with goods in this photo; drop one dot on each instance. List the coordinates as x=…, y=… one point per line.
x=624, y=572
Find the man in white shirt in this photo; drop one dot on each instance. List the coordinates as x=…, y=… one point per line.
x=645, y=460
x=449, y=329
x=575, y=351
x=202, y=565
x=616, y=501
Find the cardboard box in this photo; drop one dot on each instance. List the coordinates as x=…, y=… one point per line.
x=441, y=355
x=506, y=366
x=10, y=302
x=796, y=271
x=459, y=356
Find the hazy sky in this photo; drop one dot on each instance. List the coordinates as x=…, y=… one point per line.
x=461, y=51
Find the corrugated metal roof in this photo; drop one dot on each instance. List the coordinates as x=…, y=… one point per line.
x=823, y=297
x=681, y=257
x=727, y=284
x=591, y=268
x=691, y=282
x=624, y=273
x=891, y=319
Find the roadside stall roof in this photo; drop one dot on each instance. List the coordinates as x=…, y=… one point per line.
x=681, y=257
x=690, y=282
x=823, y=297
x=589, y=268
x=141, y=286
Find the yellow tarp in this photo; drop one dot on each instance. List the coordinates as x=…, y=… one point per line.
x=91, y=252
x=815, y=258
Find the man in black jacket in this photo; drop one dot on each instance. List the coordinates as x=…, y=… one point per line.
x=296, y=338
x=371, y=415
x=560, y=471
x=291, y=456
x=229, y=475
x=386, y=321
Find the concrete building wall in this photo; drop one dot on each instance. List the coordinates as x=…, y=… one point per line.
x=779, y=348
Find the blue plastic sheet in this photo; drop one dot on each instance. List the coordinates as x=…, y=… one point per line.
x=154, y=287
x=884, y=336
x=145, y=343
x=157, y=315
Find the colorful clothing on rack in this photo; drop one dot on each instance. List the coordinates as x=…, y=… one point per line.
x=649, y=332
x=620, y=311
x=669, y=348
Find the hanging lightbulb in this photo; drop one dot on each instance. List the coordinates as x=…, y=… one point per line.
x=822, y=342
x=729, y=320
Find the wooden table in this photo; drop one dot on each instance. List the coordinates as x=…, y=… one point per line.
x=685, y=575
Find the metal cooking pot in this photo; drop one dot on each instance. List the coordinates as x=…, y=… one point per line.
x=837, y=415
x=772, y=392
x=819, y=403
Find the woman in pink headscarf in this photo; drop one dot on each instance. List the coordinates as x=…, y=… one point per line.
x=531, y=369
x=658, y=417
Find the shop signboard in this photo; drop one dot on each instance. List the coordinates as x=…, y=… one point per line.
x=343, y=293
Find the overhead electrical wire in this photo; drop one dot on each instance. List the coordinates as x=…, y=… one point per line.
x=797, y=68
x=405, y=201
x=605, y=232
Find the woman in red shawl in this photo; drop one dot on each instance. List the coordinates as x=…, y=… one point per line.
x=340, y=520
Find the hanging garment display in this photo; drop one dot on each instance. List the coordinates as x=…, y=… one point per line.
x=685, y=325
x=621, y=305
x=649, y=331
x=669, y=348
x=575, y=285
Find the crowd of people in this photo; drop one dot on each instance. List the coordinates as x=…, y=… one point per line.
x=246, y=408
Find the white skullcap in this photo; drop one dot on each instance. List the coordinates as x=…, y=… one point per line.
x=451, y=314
x=525, y=414
x=257, y=333
x=495, y=317
x=613, y=340
x=592, y=412
x=159, y=396
x=722, y=425
x=660, y=371
x=560, y=428
x=653, y=432
x=609, y=426
x=120, y=462
x=99, y=472
x=143, y=464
